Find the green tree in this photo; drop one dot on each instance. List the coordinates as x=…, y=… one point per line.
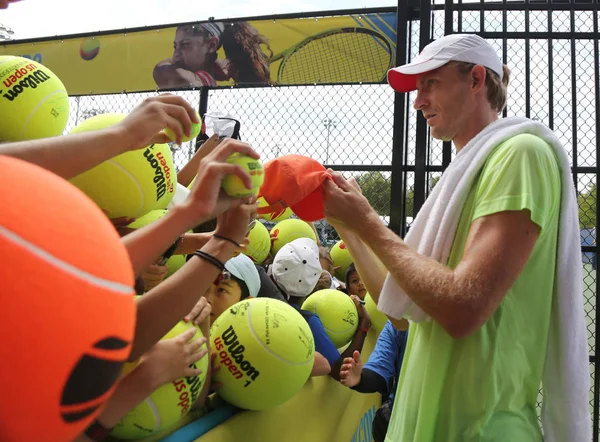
x=587, y=207
x=378, y=189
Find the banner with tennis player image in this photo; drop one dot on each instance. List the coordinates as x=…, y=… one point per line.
x=300, y=51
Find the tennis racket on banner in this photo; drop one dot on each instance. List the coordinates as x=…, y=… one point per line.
x=341, y=55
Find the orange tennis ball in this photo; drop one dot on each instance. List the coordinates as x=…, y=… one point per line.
x=68, y=304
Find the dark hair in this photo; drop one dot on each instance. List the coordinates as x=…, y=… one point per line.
x=242, y=44
x=139, y=286
x=351, y=269
x=207, y=226
x=245, y=292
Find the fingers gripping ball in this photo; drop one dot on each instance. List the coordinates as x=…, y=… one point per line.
x=341, y=258
x=266, y=352
x=288, y=230
x=259, y=243
x=378, y=319
x=337, y=313
x=275, y=217
x=33, y=101
x=196, y=127
x=133, y=183
x=175, y=262
x=168, y=403
x=234, y=186
x=79, y=305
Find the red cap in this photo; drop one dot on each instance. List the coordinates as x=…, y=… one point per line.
x=294, y=181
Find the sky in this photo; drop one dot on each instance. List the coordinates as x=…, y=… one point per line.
x=29, y=18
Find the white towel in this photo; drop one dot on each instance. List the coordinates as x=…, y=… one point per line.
x=566, y=377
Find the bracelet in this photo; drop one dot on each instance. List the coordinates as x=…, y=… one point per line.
x=207, y=257
x=97, y=431
x=227, y=239
x=364, y=330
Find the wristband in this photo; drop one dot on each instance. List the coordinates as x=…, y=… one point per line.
x=207, y=257
x=97, y=431
x=364, y=330
x=224, y=238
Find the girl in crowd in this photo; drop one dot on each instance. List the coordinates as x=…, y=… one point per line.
x=195, y=62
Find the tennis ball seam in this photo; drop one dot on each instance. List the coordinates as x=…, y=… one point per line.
x=135, y=181
x=34, y=110
x=346, y=330
x=299, y=364
x=65, y=266
x=155, y=412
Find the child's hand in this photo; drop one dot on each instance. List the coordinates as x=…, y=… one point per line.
x=171, y=359
x=200, y=314
x=214, y=367
x=154, y=275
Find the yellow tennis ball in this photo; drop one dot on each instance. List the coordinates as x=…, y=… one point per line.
x=196, y=127
x=131, y=184
x=337, y=312
x=33, y=101
x=378, y=319
x=288, y=230
x=259, y=243
x=341, y=258
x=266, y=351
x=168, y=403
x=234, y=186
x=275, y=217
x=175, y=262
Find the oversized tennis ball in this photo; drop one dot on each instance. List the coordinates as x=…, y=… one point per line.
x=175, y=262
x=33, y=101
x=234, y=186
x=275, y=217
x=378, y=319
x=67, y=270
x=337, y=312
x=288, y=230
x=89, y=48
x=166, y=405
x=341, y=258
x=196, y=127
x=266, y=351
x=131, y=184
x=259, y=243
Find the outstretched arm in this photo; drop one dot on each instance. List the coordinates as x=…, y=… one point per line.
x=71, y=155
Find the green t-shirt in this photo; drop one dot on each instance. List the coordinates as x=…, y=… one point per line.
x=483, y=388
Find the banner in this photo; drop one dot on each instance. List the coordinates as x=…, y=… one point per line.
x=345, y=49
x=323, y=411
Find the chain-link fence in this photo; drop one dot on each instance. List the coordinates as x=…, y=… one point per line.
x=553, y=52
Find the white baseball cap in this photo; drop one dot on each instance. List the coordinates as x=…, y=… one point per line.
x=468, y=48
x=244, y=269
x=296, y=267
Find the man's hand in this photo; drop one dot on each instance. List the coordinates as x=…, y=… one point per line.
x=145, y=124
x=343, y=200
x=351, y=370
